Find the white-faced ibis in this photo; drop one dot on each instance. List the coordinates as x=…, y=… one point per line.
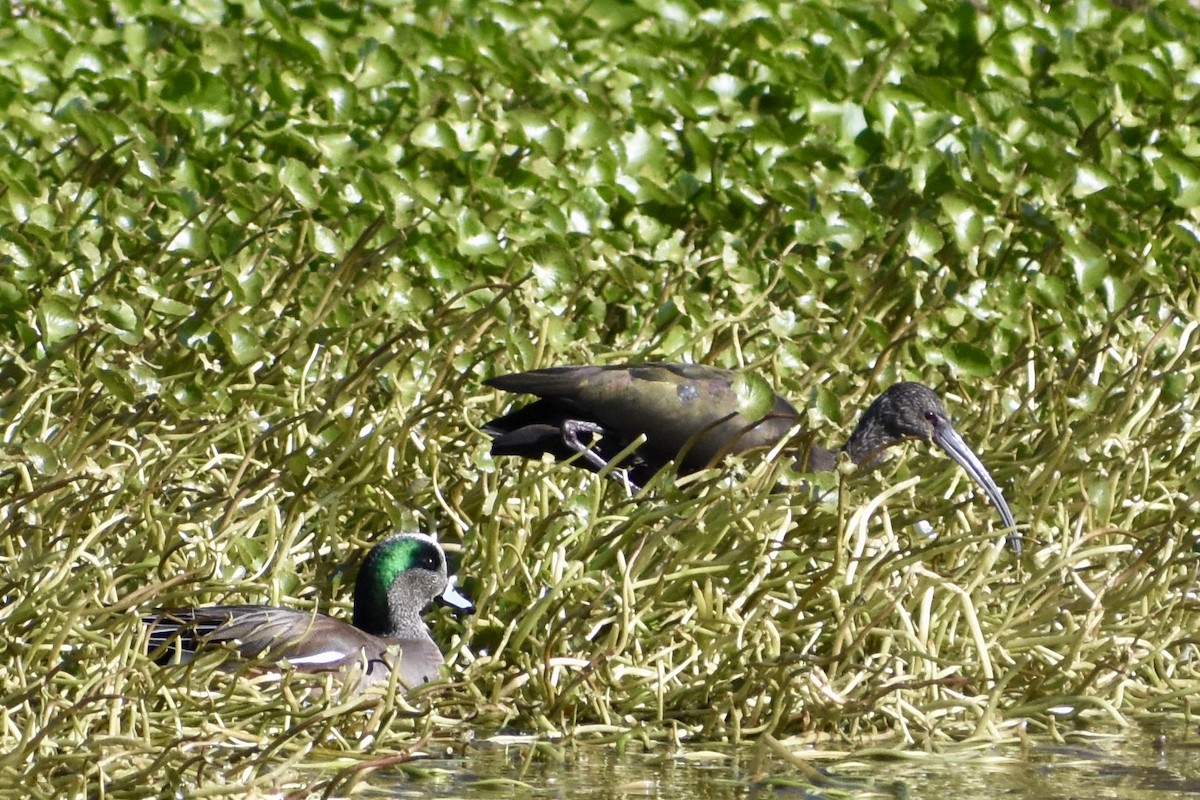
x=695, y=415
x=398, y=578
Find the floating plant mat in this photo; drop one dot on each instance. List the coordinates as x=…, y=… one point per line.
x=256, y=264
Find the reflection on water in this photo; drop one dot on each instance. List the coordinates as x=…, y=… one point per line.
x=1136, y=765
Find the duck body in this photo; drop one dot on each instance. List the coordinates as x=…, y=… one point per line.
x=304, y=641
x=398, y=578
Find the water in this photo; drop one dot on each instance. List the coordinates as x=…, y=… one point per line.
x=1135, y=765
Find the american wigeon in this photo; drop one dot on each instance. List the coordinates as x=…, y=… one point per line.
x=399, y=577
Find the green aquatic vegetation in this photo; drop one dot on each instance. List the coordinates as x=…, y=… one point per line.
x=256, y=262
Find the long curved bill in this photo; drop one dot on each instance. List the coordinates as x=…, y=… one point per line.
x=949, y=440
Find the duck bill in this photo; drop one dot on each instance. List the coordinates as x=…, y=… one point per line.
x=455, y=599
x=949, y=440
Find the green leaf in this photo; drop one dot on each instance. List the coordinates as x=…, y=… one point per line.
x=116, y=385
x=539, y=129
x=924, y=240
x=380, y=67
x=178, y=87
x=119, y=314
x=171, y=308
x=58, y=321
x=755, y=397
x=1116, y=293
x=1090, y=263
x=42, y=458
x=1090, y=179
x=829, y=403
x=1050, y=290
x=11, y=296
x=614, y=15
x=300, y=183
x=435, y=134
x=474, y=238
x=1182, y=178
x=242, y=344
x=280, y=18
x=969, y=360
x=965, y=221
x=588, y=131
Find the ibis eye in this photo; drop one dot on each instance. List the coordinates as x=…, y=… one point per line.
x=931, y=416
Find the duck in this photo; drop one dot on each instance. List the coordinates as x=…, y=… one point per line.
x=397, y=579
x=694, y=415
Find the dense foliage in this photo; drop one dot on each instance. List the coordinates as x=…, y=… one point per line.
x=256, y=259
